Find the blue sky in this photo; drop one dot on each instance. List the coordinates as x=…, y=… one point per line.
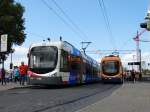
x=124, y=16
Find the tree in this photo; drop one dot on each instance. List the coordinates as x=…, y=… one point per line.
x=12, y=22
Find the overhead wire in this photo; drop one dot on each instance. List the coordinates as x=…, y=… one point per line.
x=62, y=19
x=70, y=20
x=107, y=19
x=107, y=22
x=125, y=43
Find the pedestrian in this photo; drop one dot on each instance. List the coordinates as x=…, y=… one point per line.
x=16, y=74
x=125, y=75
x=133, y=76
x=23, y=73
x=3, y=79
x=0, y=75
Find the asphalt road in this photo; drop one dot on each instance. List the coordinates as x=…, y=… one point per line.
x=54, y=99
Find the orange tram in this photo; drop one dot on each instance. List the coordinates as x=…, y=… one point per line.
x=111, y=69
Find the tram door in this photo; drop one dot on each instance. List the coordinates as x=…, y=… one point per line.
x=76, y=68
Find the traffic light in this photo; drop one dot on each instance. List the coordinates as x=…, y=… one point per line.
x=143, y=25
x=146, y=25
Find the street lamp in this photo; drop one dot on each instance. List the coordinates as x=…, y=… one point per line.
x=11, y=63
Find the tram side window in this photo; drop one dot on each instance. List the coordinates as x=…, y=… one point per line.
x=76, y=67
x=94, y=70
x=97, y=70
x=84, y=69
x=64, y=62
x=88, y=69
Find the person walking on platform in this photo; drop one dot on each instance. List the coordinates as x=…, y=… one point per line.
x=3, y=79
x=133, y=76
x=16, y=74
x=0, y=75
x=23, y=73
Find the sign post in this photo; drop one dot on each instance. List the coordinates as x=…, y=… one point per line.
x=3, y=47
x=4, y=43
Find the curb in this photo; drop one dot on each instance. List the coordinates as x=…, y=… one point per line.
x=26, y=86
x=6, y=87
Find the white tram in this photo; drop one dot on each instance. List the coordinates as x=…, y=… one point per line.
x=58, y=63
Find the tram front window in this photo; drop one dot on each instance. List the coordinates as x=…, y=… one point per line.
x=110, y=67
x=43, y=59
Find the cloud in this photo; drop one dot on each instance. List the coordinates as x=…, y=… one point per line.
x=20, y=50
x=133, y=57
x=19, y=55
x=129, y=57
x=145, y=58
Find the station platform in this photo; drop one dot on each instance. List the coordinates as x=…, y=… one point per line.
x=131, y=97
x=11, y=85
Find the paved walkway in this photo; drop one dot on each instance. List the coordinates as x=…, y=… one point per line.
x=10, y=85
x=129, y=98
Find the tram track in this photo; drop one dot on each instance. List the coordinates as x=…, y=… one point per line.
x=66, y=99
x=78, y=99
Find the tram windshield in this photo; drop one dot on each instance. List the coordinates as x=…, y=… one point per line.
x=43, y=59
x=110, y=67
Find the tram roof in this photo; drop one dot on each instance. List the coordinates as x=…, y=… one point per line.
x=67, y=47
x=88, y=58
x=111, y=58
x=60, y=45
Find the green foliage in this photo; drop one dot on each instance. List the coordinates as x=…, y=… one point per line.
x=12, y=22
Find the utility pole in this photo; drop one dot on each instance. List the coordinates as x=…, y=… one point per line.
x=138, y=51
x=137, y=47
x=140, y=66
x=145, y=25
